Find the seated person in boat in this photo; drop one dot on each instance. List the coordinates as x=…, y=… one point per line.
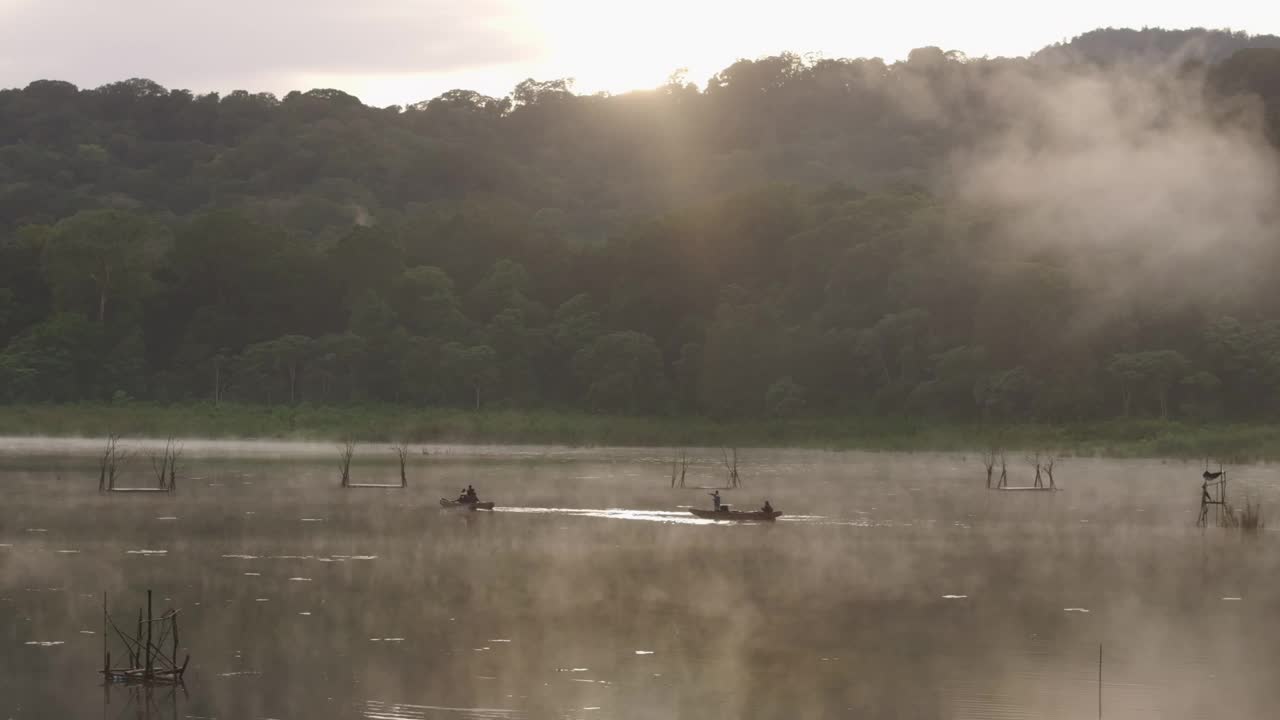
x=715, y=500
x=471, y=494
x=767, y=507
x=463, y=496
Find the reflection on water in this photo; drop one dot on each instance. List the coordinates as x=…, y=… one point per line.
x=894, y=586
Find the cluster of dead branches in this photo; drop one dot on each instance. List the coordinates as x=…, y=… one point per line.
x=165, y=465
x=345, y=452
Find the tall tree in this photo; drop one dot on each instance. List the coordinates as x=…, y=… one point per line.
x=98, y=256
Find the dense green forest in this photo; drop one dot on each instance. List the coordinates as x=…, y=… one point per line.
x=1082, y=234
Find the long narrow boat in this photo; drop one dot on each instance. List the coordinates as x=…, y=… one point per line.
x=454, y=504
x=738, y=515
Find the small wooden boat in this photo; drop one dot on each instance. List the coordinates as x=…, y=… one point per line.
x=737, y=515
x=457, y=505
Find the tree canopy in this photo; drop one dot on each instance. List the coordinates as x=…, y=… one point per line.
x=1085, y=233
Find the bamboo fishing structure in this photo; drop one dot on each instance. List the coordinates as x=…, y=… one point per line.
x=146, y=661
x=1042, y=462
x=164, y=465
x=731, y=466
x=402, y=453
x=680, y=461
x=1213, y=492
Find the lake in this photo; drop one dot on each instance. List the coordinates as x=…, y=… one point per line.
x=895, y=586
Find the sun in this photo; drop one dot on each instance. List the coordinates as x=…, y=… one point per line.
x=616, y=47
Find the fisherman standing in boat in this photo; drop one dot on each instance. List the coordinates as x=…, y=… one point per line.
x=715, y=500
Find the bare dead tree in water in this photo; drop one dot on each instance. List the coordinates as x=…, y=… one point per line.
x=402, y=452
x=160, y=465
x=105, y=460
x=113, y=457
x=681, y=462
x=1004, y=471
x=731, y=466
x=165, y=465
x=1048, y=462
x=1034, y=461
x=175, y=455
x=989, y=458
x=345, y=452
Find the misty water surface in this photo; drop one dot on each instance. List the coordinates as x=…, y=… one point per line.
x=895, y=587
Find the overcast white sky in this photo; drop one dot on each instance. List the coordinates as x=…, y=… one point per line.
x=401, y=51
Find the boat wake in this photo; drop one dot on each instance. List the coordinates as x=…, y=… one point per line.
x=378, y=710
x=683, y=517
x=675, y=517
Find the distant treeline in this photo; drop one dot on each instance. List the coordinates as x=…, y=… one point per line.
x=780, y=242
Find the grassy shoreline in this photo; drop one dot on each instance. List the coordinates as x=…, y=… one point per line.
x=1112, y=438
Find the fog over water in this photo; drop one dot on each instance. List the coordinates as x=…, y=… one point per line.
x=894, y=586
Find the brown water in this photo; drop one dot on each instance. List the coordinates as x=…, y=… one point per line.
x=895, y=586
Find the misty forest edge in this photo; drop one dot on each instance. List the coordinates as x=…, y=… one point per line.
x=779, y=250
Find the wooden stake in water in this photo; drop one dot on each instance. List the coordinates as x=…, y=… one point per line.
x=106, y=654
x=150, y=622
x=1099, y=681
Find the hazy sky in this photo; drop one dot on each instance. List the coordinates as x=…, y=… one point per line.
x=402, y=51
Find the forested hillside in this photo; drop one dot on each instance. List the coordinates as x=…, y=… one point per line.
x=1090, y=232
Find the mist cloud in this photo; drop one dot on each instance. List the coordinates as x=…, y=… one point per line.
x=1129, y=176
